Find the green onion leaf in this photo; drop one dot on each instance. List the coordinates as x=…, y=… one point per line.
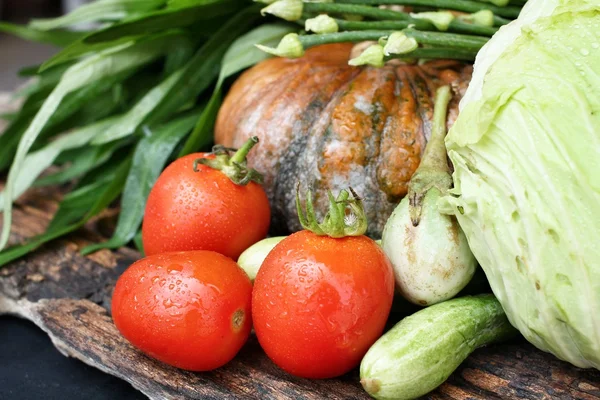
x=57, y=38
x=162, y=20
x=104, y=64
x=75, y=210
x=98, y=11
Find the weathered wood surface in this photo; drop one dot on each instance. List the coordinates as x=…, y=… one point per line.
x=68, y=296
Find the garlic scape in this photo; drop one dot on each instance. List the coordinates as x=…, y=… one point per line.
x=429, y=252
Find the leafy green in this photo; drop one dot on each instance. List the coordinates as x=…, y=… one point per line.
x=526, y=181
x=104, y=64
x=201, y=70
x=35, y=163
x=165, y=19
x=129, y=122
x=150, y=156
x=75, y=210
x=241, y=54
x=98, y=11
x=84, y=159
x=57, y=38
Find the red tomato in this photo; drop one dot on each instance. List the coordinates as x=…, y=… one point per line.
x=319, y=303
x=188, y=309
x=203, y=210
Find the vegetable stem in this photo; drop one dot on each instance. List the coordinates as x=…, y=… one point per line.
x=453, y=40
x=456, y=26
x=240, y=155
x=340, y=37
x=358, y=9
x=434, y=156
x=457, y=5
x=436, y=53
x=433, y=171
x=233, y=167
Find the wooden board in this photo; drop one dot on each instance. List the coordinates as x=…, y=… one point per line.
x=68, y=296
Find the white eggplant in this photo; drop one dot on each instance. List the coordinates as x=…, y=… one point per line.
x=429, y=252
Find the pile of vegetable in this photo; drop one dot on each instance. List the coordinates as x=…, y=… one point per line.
x=119, y=102
x=520, y=196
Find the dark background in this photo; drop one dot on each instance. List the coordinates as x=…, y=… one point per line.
x=32, y=369
x=30, y=366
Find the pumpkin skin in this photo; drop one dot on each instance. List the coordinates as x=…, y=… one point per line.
x=328, y=126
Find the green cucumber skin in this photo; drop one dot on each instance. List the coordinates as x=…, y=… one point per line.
x=420, y=352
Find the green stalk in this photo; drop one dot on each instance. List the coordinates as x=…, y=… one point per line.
x=450, y=40
x=448, y=43
x=341, y=37
x=456, y=26
x=357, y=9
x=472, y=29
x=456, y=5
x=435, y=158
x=436, y=53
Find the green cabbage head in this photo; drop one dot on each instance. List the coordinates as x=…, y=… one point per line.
x=526, y=152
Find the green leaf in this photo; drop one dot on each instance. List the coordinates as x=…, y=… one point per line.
x=139, y=244
x=241, y=54
x=100, y=66
x=85, y=159
x=98, y=11
x=174, y=4
x=149, y=159
x=42, y=82
x=165, y=19
x=201, y=70
x=128, y=123
x=75, y=210
x=9, y=116
x=57, y=38
x=35, y=163
x=80, y=48
x=202, y=133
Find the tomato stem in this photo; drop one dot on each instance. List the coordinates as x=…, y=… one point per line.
x=346, y=215
x=235, y=167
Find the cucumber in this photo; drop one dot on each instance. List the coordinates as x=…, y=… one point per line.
x=420, y=352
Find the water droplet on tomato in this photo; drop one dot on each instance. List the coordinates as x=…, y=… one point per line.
x=178, y=281
x=142, y=278
x=174, y=268
x=168, y=303
x=171, y=286
x=155, y=279
x=162, y=282
x=283, y=315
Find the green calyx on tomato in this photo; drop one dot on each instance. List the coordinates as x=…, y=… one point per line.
x=235, y=167
x=346, y=215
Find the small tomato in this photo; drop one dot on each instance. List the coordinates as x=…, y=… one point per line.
x=204, y=209
x=319, y=303
x=188, y=309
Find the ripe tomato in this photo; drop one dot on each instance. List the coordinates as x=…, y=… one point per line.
x=319, y=303
x=188, y=309
x=204, y=210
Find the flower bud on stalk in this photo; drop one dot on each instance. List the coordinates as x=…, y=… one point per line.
x=429, y=252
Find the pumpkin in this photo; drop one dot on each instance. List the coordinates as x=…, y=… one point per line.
x=328, y=126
